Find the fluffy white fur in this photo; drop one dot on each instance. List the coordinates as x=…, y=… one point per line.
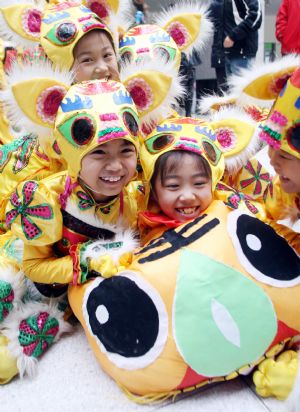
x=16, y=279
x=175, y=91
x=207, y=101
x=97, y=248
x=237, y=83
x=234, y=163
x=195, y=7
x=7, y=33
x=27, y=364
x=36, y=70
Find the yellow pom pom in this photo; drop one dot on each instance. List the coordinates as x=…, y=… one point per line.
x=276, y=377
x=8, y=364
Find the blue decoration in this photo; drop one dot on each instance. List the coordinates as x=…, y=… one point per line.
x=168, y=128
x=127, y=41
x=122, y=98
x=206, y=132
x=158, y=38
x=68, y=106
x=297, y=103
x=51, y=18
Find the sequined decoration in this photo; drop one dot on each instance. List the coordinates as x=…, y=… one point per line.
x=6, y=299
x=41, y=211
x=37, y=333
x=85, y=201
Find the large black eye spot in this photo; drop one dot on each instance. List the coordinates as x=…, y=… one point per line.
x=293, y=137
x=82, y=131
x=66, y=32
x=262, y=252
x=127, y=318
x=130, y=123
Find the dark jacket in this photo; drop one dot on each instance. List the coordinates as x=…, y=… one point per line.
x=240, y=20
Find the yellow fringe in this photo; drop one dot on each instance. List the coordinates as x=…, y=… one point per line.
x=159, y=397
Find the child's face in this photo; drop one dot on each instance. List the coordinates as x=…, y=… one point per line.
x=95, y=58
x=185, y=192
x=288, y=169
x=108, y=168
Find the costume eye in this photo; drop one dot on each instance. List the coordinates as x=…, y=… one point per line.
x=79, y=129
x=262, y=252
x=131, y=121
x=126, y=55
x=212, y=153
x=128, y=319
x=168, y=53
x=63, y=33
x=293, y=137
x=159, y=142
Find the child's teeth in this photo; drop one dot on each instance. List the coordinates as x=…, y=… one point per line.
x=111, y=178
x=187, y=210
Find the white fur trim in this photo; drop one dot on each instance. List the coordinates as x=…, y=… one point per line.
x=206, y=102
x=237, y=83
x=125, y=15
x=27, y=364
x=193, y=7
x=16, y=279
x=10, y=35
x=97, y=248
x=175, y=91
x=35, y=70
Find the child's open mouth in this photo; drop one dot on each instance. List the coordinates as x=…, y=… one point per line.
x=187, y=210
x=111, y=179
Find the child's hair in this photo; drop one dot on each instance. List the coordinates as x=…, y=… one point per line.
x=170, y=161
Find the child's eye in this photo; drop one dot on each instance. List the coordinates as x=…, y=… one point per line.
x=172, y=186
x=128, y=150
x=108, y=55
x=98, y=152
x=200, y=183
x=86, y=60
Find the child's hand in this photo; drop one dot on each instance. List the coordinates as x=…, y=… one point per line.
x=104, y=265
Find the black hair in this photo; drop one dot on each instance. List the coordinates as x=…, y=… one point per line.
x=170, y=161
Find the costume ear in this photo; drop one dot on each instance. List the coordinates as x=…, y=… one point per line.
x=188, y=24
x=153, y=91
x=33, y=95
x=20, y=22
x=264, y=82
x=236, y=136
x=103, y=8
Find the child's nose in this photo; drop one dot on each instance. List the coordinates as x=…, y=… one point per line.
x=187, y=195
x=101, y=71
x=114, y=165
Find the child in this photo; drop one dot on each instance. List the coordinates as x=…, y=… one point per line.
x=80, y=41
x=96, y=131
x=183, y=166
x=90, y=53
x=282, y=133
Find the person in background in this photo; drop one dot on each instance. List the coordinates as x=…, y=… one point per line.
x=288, y=26
x=236, y=24
x=187, y=71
